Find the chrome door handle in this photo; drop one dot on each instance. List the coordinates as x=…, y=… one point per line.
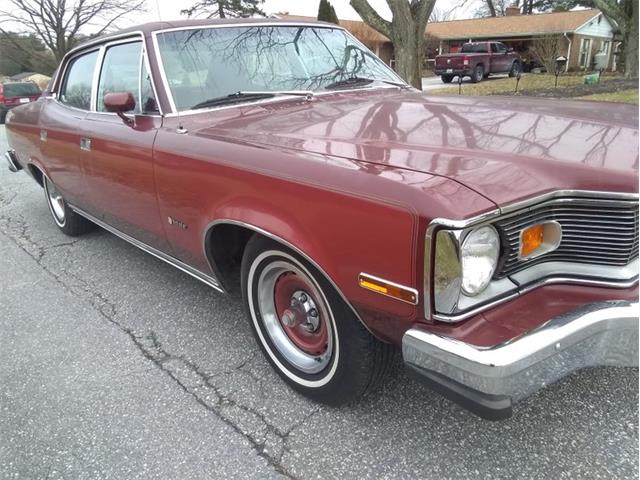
x=85, y=144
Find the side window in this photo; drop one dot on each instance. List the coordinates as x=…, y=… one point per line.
x=148, y=103
x=494, y=48
x=501, y=48
x=76, y=89
x=120, y=72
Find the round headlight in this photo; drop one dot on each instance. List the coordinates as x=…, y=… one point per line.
x=479, y=257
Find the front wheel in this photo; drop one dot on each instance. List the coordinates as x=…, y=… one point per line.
x=68, y=221
x=478, y=74
x=305, y=329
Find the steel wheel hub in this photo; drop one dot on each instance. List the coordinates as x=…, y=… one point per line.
x=296, y=316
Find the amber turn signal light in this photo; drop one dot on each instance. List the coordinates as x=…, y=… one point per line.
x=531, y=239
x=389, y=289
x=539, y=239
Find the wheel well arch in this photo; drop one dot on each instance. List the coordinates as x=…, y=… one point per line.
x=224, y=244
x=36, y=173
x=217, y=238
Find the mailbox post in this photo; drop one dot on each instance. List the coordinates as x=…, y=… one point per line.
x=561, y=63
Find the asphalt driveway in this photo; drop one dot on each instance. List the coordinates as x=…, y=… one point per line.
x=115, y=365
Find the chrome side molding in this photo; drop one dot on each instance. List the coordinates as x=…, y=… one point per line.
x=209, y=280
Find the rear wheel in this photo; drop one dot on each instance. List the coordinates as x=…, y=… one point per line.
x=304, y=328
x=446, y=78
x=478, y=74
x=66, y=219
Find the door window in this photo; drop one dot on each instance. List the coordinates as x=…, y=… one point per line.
x=121, y=72
x=498, y=48
x=76, y=89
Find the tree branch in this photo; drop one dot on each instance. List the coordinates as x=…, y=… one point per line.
x=371, y=17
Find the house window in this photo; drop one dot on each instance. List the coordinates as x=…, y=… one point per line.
x=604, y=47
x=585, y=52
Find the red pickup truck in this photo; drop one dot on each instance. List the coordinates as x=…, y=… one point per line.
x=478, y=60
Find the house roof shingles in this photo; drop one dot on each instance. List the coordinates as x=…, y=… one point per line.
x=477, y=28
x=516, y=25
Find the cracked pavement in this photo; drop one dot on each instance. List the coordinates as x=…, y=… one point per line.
x=115, y=365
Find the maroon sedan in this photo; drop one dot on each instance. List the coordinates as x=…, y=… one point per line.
x=494, y=239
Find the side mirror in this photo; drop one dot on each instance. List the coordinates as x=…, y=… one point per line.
x=510, y=50
x=119, y=103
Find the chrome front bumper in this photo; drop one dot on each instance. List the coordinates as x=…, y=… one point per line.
x=12, y=160
x=488, y=380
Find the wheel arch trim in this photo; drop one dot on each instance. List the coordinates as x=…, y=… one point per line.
x=209, y=228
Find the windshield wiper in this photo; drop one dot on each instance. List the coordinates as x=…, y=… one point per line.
x=359, y=81
x=232, y=98
x=247, y=96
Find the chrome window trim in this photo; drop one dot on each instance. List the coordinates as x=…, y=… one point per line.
x=97, y=71
x=100, y=44
x=618, y=198
x=53, y=94
x=174, y=111
x=185, y=113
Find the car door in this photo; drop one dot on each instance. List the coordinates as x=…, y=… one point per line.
x=500, y=57
x=119, y=169
x=62, y=127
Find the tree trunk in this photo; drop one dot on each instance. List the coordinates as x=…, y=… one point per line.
x=408, y=46
x=406, y=31
x=492, y=8
x=408, y=65
x=630, y=43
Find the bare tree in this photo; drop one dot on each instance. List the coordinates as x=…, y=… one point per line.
x=546, y=49
x=406, y=31
x=440, y=15
x=58, y=23
x=225, y=8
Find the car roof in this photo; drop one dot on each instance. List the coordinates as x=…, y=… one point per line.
x=148, y=28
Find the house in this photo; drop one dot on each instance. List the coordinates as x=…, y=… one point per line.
x=586, y=37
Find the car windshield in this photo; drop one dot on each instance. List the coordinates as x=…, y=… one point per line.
x=21, y=89
x=474, y=48
x=209, y=63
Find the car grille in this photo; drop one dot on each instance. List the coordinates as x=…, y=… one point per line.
x=594, y=231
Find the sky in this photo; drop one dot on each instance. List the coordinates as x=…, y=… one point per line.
x=170, y=9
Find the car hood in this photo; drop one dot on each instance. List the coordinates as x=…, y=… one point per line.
x=504, y=148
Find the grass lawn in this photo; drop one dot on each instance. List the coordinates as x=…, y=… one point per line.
x=508, y=85
x=623, y=96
